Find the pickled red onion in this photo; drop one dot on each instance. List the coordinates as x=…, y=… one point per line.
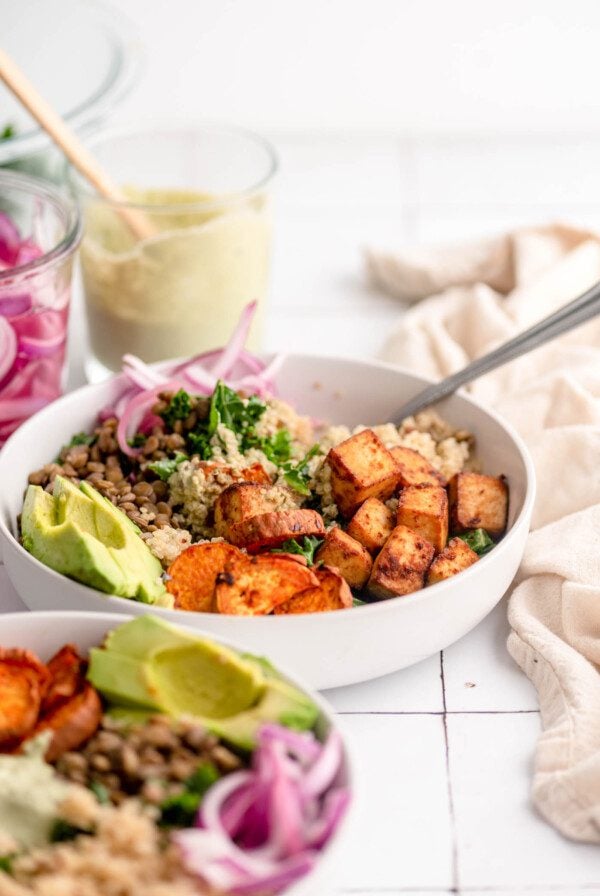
x=240, y=369
x=8, y=347
x=32, y=334
x=271, y=799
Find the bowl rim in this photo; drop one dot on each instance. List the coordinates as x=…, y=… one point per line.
x=326, y=710
x=374, y=608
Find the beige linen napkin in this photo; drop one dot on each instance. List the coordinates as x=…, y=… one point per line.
x=484, y=293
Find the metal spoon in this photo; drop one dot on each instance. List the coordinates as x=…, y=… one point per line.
x=572, y=315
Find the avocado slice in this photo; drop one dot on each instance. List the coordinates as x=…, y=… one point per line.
x=149, y=665
x=80, y=533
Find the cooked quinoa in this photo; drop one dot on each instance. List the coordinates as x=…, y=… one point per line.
x=126, y=856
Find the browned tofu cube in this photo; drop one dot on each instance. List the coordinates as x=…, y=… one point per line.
x=348, y=556
x=401, y=565
x=478, y=502
x=456, y=556
x=372, y=524
x=424, y=509
x=414, y=469
x=361, y=468
x=239, y=502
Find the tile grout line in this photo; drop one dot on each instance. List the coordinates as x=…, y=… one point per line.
x=432, y=712
x=453, y=829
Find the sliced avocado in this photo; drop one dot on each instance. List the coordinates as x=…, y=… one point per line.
x=280, y=703
x=149, y=665
x=147, y=662
x=79, y=533
x=65, y=547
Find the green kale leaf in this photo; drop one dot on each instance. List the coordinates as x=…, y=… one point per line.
x=307, y=549
x=180, y=810
x=179, y=407
x=297, y=475
x=478, y=540
x=165, y=468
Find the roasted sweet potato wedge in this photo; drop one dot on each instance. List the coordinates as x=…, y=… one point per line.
x=332, y=593
x=193, y=574
x=268, y=530
x=254, y=586
x=24, y=680
x=67, y=676
x=72, y=723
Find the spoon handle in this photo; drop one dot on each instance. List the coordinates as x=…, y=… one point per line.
x=571, y=315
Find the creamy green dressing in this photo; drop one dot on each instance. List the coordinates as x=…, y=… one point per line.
x=30, y=793
x=176, y=292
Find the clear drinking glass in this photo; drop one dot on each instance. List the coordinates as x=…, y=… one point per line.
x=177, y=288
x=40, y=229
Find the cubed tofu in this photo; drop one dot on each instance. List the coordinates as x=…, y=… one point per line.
x=414, y=469
x=401, y=565
x=238, y=502
x=372, y=524
x=361, y=468
x=269, y=530
x=347, y=555
x=456, y=556
x=478, y=502
x=424, y=509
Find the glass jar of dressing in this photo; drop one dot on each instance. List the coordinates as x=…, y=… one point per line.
x=177, y=285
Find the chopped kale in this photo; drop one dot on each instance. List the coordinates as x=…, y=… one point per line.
x=100, y=792
x=80, y=438
x=165, y=468
x=357, y=602
x=307, y=549
x=137, y=441
x=63, y=830
x=179, y=407
x=297, y=475
x=276, y=448
x=6, y=863
x=238, y=415
x=180, y=810
x=7, y=132
x=478, y=540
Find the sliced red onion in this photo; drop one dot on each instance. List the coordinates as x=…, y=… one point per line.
x=302, y=745
x=13, y=306
x=335, y=806
x=10, y=240
x=271, y=798
x=134, y=414
x=8, y=347
x=323, y=772
x=41, y=348
x=141, y=374
x=232, y=350
x=20, y=408
x=28, y=252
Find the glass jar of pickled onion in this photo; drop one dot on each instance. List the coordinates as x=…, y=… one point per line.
x=40, y=229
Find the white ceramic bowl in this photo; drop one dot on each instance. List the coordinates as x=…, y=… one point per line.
x=328, y=649
x=45, y=633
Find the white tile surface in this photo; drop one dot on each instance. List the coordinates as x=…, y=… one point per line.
x=417, y=689
x=502, y=843
x=479, y=673
x=544, y=172
x=402, y=835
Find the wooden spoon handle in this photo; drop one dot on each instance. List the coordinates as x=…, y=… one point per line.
x=69, y=143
